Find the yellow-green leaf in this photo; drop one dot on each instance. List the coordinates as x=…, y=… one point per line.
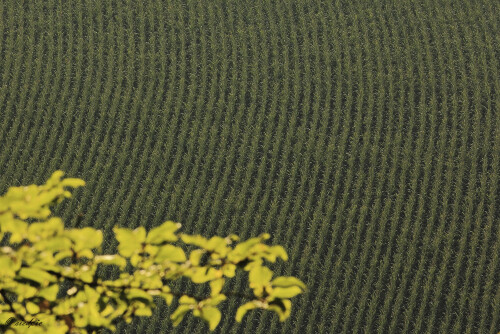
x=179, y=313
x=286, y=281
x=187, y=300
x=37, y=275
x=16, y=227
x=216, y=286
x=85, y=238
x=243, y=309
x=168, y=297
x=229, y=270
x=8, y=266
x=143, y=311
x=130, y=241
x=163, y=233
x=170, y=253
x=72, y=182
x=260, y=276
x=23, y=291
x=202, y=274
x=138, y=294
x=196, y=240
x=212, y=315
x=62, y=255
x=50, y=292
x=278, y=251
x=110, y=260
x=49, y=228
x=282, y=307
x=55, y=178
x=195, y=256
x=86, y=252
x=215, y=300
x=32, y=308
x=218, y=245
x=86, y=276
x=287, y=292
x=53, y=244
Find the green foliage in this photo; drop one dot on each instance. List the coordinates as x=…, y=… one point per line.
x=40, y=255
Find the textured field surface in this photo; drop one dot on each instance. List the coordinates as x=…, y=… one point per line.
x=363, y=135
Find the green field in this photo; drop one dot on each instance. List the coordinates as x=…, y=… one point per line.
x=364, y=136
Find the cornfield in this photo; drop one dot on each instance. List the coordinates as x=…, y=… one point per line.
x=364, y=136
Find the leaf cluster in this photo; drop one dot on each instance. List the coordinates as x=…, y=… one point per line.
x=49, y=273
